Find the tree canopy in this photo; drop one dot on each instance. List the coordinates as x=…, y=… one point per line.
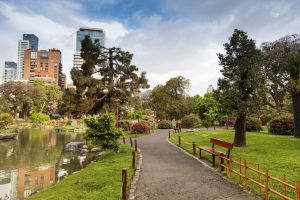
x=117, y=79
x=242, y=87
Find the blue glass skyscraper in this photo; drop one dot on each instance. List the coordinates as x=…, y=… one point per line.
x=33, y=41
x=96, y=35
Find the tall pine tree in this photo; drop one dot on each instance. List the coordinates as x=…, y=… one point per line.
x=242, y=87
x=119, y=79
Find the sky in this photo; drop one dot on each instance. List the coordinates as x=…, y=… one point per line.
x=167, y=37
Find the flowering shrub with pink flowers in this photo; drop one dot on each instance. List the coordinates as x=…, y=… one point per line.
x=140, y=128
x=282, y=125
x=231, y=122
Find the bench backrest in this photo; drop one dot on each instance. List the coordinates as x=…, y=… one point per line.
x=221, y=143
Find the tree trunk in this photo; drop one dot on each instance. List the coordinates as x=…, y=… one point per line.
x=296, y=110
x=240, y=131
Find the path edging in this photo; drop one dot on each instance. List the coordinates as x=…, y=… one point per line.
x=133, y=184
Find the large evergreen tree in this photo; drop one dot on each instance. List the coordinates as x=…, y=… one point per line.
x=118, y=81
x=284, y=71
x=242, y=87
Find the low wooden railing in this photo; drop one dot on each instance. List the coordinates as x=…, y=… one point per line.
x=246, y=173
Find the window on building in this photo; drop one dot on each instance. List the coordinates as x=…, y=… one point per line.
x=33, y=55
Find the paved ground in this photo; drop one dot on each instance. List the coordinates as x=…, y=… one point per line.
x=169, y=174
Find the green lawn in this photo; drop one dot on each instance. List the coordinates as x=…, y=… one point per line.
x=99, y=180
x=133, y=135
x=279, y=154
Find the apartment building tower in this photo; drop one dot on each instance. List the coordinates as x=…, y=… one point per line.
x=29, y=41
x=44, y=65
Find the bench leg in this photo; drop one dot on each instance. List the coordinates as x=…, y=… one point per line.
x=213, y=160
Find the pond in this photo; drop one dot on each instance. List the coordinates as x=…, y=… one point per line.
x=37, y=160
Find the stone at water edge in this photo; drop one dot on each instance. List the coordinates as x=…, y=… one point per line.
x=95, y=149
x=74, y=146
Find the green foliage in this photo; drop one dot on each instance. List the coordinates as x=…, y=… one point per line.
x=253, y=124
x=39, y=118
x=170, y=100
x=5, y=120
x=118, y=81
x=282, y=125
x=124, y=125
x=190, y=121
x=282, y=61
x=165, y=124
x=102, y=131
x=242, y=88
x=140, y=128
x=206, y=123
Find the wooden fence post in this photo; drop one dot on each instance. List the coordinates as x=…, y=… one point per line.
x=131, y=144
x=246, y=174
x=259, y=177
x=240, y=169
x=179, y=140
x=194, y=148
x=124, y=184
x=230, y=166
x=133, y=159
x=135, y=145
x=267, y=185
x=284, y=185
x=298, y=190
x=123, y=139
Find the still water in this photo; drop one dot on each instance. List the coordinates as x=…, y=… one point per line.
x=37, y=160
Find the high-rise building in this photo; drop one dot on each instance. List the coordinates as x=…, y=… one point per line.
x=96, y=35
x=9, y=72
x=43, y=65
x=33, y=41
x=22, y=46
x=30, y=41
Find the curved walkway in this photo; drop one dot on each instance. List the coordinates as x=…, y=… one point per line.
x=169, y=174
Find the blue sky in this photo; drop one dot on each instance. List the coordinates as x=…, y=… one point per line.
x=168, y=37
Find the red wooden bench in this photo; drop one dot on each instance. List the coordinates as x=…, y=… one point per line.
x=215, y=152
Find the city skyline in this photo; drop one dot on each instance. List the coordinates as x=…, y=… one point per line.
x=166, y=37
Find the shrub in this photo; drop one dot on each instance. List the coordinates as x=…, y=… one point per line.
x=124, y=124
x=102, y=131
x=165, y=124
x=253, y=124
x=230, y=122
x=5, y=120
x=282, y=125
x=206, y=123
x=140, y=128
x=190, y=121
x=39, y=118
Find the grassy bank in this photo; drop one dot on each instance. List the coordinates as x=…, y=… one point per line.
x=68, y=128
x=133, y=135
x=279, y=154
x=99, y=180
x=9, y=130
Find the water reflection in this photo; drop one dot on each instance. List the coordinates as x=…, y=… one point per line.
x=37, y=160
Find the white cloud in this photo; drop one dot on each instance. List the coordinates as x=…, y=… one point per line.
x=52, y=33
x=163, y=48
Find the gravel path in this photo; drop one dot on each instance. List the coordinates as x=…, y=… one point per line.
x=169, y=174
